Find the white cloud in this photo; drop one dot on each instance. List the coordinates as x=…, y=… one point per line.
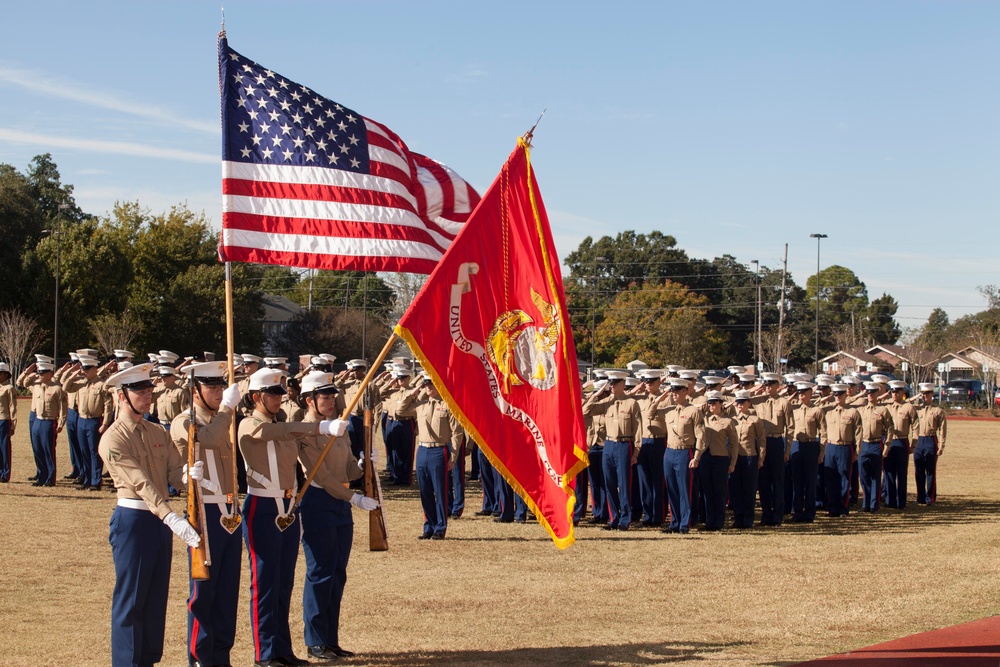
x=39, y=83
x=101, y=146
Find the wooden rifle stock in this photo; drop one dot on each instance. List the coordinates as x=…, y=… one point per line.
x=378, y=539
x=200, y=558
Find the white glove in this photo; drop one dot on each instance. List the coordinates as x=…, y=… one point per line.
x=364, y=502
x=182, y=529
x=334, y=427
x=197, y=472
x=231, y=397
x=373, y=459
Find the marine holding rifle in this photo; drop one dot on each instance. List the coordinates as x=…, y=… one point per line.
x=212, y=602
x=142, y=462
x=269, y=528
x=327, y=523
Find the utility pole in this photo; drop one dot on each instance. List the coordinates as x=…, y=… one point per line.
x=818, y=237
x=781, y=308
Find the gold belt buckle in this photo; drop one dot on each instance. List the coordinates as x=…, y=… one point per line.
x=288, y=494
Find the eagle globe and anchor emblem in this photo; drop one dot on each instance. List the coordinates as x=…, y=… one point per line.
x=518, y=351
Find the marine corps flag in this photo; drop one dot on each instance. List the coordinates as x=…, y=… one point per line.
x=490, y=327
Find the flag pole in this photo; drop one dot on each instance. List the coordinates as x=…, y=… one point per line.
x=372, y=370
x=231, y=367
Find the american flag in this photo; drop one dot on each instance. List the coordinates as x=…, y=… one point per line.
x=309, y=183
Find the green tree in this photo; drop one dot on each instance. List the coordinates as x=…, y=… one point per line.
x=880, y=321
x=934, y=334
x=659, y=323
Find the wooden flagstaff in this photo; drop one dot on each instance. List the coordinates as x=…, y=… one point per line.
x=231, y=522
x=372, y=370
x=378, y=538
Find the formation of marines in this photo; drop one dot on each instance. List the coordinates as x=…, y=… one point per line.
x=668, y=449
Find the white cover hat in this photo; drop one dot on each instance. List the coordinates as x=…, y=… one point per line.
x=926, y=386
x=208, y=372
x=317, y=381
x=354, y=364
x=267, y=379
x=713, y=396
x=134, y=377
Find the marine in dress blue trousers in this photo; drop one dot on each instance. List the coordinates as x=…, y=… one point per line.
x=327, y=534
x=649, y=465
x=212, y=603
x=432, y=478
x=4, y=450
x=487, y=477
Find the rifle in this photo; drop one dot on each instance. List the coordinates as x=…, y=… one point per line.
x=378, y=539
x=201, y=558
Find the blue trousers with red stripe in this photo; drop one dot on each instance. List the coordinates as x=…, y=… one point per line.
x=76, y=451
x=327, y=534
x=837, y=463
x=870, y=475
x=678, y=479
x=649, y=465
x=212, y=603
x=43, y=445
x=487, y=476
x=89, y=436
x=617, y=465
x=894, y=484
x=399, y=441
x=432, y=479
x=141, y=546
x=4, y=450
x=456, y=488
x=925, y=466
x=272, y=554
x=580, y=496
x=598, y=496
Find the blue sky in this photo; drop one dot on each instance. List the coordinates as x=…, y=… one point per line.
x=737, y=127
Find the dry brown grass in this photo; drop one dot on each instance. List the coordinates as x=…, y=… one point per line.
x=496, y=594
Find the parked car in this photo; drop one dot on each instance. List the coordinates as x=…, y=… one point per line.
x=963, y=391
x=996, y=398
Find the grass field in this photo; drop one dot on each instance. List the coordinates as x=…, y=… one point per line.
x=502, y=594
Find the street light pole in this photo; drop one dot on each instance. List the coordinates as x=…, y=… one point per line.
x=593, y=317
x=816, y=362
x=757, y=352
x=55, y=324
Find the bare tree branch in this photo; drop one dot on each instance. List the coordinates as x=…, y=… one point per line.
x=19, y=338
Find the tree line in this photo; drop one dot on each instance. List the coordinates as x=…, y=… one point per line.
x=149, y=280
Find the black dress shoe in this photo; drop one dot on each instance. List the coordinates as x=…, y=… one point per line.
x=484, y=513
x=34, y=478
x=437, y=536
x=323, y=652
x=342, y=652
x=499, y=520
x=94, y=488
x=292, y=660
x=36, y=483
x=81, y=486
x=424, y=536
x=74, y=475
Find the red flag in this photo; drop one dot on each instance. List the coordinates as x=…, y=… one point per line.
x=308, y=182
x=490, y=327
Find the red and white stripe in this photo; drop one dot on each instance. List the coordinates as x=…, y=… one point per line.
x=400, y=217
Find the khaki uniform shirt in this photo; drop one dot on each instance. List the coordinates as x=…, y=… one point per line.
x=931, y=421
x=293, y=411
x=750, y=432
x=348, y=389
x=8, y=404
x=170, y=402
x=842, y=426
x=256, y=434
x=655, y=427
x=391, y=398
x=48, y=401
x=214, y=448
x=685, y=426
x=904, y=417
x=94, y=399
x=339, y=467
x=142, y=461
x=435, y=423
x=875, y=423
x=776, y=413
x=60, y=376
x=807, y=422
x=721, y=439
